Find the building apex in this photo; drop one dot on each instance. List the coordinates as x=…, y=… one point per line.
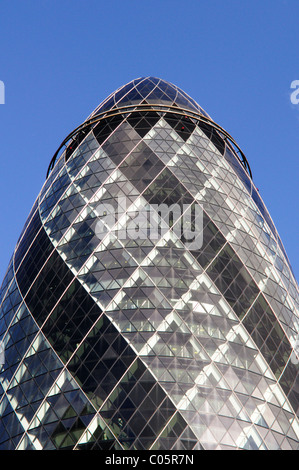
x=148, y=90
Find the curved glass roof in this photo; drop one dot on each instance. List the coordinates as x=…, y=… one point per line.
x=149, y=90
x=152, y=92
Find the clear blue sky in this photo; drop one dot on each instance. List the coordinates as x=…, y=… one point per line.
x=236, y=58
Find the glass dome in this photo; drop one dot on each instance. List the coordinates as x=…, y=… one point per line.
x=149, y=90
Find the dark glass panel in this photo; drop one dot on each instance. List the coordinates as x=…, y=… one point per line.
x=213, y=135
x=167, y=188
x=239, y=169
x=54, y=194
x=54, y=278
x=76, y=141
x=106, y=127
x=183, y=102
x=124, y=91
x=183, y=125
x=33, y=261
x=143, y=121
x=158, y=96
x=131, y=98
x=168, y=90
x=141, y=166
x=213, y=241
x=71, y=320
x=191, y=101
x=145, y=87
x=289, y=383
x=121, y=142
x=268, y=335
x=30, y=233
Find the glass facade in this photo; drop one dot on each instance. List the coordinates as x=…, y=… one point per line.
x=115, y=337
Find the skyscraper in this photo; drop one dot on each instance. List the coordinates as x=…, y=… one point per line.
x=149, y=302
